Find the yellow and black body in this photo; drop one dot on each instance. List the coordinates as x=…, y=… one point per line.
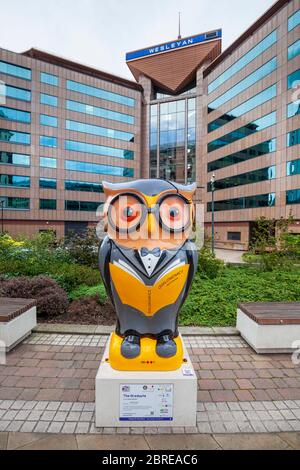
x=147, y=272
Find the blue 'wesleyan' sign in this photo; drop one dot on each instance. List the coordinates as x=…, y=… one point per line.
x=169, y=46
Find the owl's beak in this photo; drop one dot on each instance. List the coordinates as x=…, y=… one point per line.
x=151, y=225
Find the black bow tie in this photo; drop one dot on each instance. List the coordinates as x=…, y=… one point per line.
x=155, y=252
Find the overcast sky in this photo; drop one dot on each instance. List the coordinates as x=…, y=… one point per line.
x=100, y=32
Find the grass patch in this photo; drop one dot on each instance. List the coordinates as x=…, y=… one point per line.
x=89, y=291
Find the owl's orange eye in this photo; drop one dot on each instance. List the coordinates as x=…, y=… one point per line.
x=126, y=212
x=129, y=214
x=174, y=213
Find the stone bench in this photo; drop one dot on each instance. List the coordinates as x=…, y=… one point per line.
x=17, y=319
x=270, y=327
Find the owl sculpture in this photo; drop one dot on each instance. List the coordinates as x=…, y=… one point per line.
x=147, y=262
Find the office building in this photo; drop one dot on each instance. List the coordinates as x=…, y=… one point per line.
x=192, y=111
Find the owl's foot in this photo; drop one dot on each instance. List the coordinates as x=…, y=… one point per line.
x=131, y=346
x=165, y=346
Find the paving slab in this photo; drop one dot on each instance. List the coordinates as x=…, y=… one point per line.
x=111, y=442
x=52, y=442
x=21, y=439
x=3, y=440
x=107, y=329
x=292, y=438
x=251, y=442
x=34, y=441
x=65, y=328
x=182, y=442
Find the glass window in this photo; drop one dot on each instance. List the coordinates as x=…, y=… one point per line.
x=293, y=167
x=97, y=130
x=83, y=186
x=243, y=108
x=14, y=137
x=15, y=70
x=293, y=79
x=12, y=114
x=49, y=79
x=243, y=155
x=174, y=144
x=293, y=109
x=48, y=141
x=14, y=180
x=255, y=176
x=294, y=50
x=191, y=141
x=243, y=61
x=15, y=93
x=98, y=168
x=251, y=128
x=172, y=148
x=234, y=236
x=9, y=158
x=247, y=202
x=293, y=196
x=252, y=78
x=15, y=203
x=153, y=140
x=100, y=93
x=49, y=100
x=99, y=112
x=46, y=120
x=294, y=20
x=48, y=162
x=49, y=204
x=49, y=183
x=293, y=138
x=82, y=206
x=98, y=149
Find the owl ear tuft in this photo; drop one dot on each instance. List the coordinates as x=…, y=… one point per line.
x=187, y=191
x=109, y=188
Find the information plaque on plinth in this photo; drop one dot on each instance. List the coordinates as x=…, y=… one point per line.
x=142, y=398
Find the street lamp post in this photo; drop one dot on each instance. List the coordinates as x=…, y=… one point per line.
x=212, y=187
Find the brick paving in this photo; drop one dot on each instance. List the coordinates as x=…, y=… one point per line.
x=59, y=371
x=221, y=417
x=204, y=341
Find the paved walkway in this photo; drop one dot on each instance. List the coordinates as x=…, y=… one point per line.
x=230, y=256
x=30, y=441
x=47, y=386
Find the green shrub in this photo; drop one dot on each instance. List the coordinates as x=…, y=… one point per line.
x=83, y=247
x=213, y=302
x=30, y=256
x=51, y=299
x=208, y=265
x=70, y=276
x=89, y=291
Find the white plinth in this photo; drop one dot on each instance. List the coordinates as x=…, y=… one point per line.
x=267, y=338
x=108, y=394
x=14, y=331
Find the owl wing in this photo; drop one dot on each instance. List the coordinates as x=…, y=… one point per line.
x=192, y=259
x=104, y=259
